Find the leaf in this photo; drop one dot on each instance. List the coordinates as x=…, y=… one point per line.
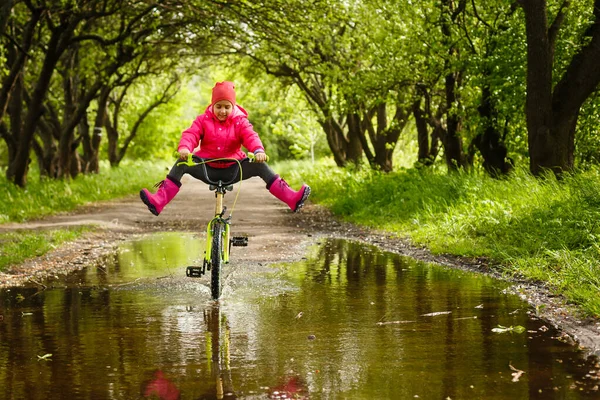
x=394, y=322
x=433, y=314
x=504, y=329
x=517, y=374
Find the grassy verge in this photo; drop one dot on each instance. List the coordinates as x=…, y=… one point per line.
x=16, y=247
x=541, y=229
x=44, y=197
x=49, y=196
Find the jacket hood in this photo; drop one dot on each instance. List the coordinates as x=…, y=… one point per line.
x=238, y=111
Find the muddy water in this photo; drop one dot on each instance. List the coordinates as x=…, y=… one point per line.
x=349, y=322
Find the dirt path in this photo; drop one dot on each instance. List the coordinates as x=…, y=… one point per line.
x=275, y=234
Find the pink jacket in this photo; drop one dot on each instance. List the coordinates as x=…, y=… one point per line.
x=221, y=139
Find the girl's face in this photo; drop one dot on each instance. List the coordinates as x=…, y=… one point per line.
x=222, y=109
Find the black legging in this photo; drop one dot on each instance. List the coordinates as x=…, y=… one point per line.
x=249, y=169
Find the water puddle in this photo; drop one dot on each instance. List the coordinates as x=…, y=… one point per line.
x=350, y=321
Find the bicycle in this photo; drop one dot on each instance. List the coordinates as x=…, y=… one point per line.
x=218, y=236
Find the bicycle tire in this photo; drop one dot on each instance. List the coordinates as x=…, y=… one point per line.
x=215, y=260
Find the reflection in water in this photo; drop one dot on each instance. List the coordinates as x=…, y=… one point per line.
x=217, y=349
x=348, y=322
x=161, y=388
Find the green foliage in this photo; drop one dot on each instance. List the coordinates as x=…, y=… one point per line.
x=288, y=128
x=160, y=132
x=587, y=136
x=541, y=229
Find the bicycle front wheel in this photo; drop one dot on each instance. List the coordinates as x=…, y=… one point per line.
x=216, y=255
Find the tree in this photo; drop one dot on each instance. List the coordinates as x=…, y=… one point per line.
x=59, y=59
x=327, y=51
x=116, y=153
x=552, y=110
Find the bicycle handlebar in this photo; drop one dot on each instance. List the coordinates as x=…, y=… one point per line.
x=191, y=163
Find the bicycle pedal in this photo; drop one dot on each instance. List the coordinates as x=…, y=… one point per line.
x=194, y=272
x=241, y=241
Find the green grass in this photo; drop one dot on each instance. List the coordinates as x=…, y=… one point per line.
x=16, y=247
x=44, y=197
x=541, y=229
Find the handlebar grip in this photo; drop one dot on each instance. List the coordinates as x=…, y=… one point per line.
x=252, y=157
x=189, y=162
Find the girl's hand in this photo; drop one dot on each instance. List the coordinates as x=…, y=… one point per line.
x=183, y=153
x=260, y=157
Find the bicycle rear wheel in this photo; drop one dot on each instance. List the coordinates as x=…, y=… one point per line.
x=216, y=260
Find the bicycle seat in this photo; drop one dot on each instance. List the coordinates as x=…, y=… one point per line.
x=228, y=188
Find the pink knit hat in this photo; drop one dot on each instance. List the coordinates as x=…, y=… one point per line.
x=223, y=91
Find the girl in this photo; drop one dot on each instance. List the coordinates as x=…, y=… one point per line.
x=220, y=133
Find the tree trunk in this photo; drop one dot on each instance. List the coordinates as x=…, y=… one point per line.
x=357, y=126
x=453, y=148
x=16, y=58
x=47, y=153
x=552, y=115
x=91, y=143
x=5, y=9
x=354, y=149
x=538, y=105
x=13, y=139
x=422, y=133
x=70, y=93
x=56, y=46
x=490, y=143
x=335, y=142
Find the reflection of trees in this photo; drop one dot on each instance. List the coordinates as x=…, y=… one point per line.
x=101, y=339
x=348, y=287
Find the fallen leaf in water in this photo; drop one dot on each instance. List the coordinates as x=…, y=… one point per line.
x=504, y=329
x=394, y=322
x=517, y=374
x=433, y=314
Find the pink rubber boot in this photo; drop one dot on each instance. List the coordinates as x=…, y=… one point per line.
x=295, y=200
x=167, y=189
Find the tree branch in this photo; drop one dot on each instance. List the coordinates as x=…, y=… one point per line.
x=556, y=24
